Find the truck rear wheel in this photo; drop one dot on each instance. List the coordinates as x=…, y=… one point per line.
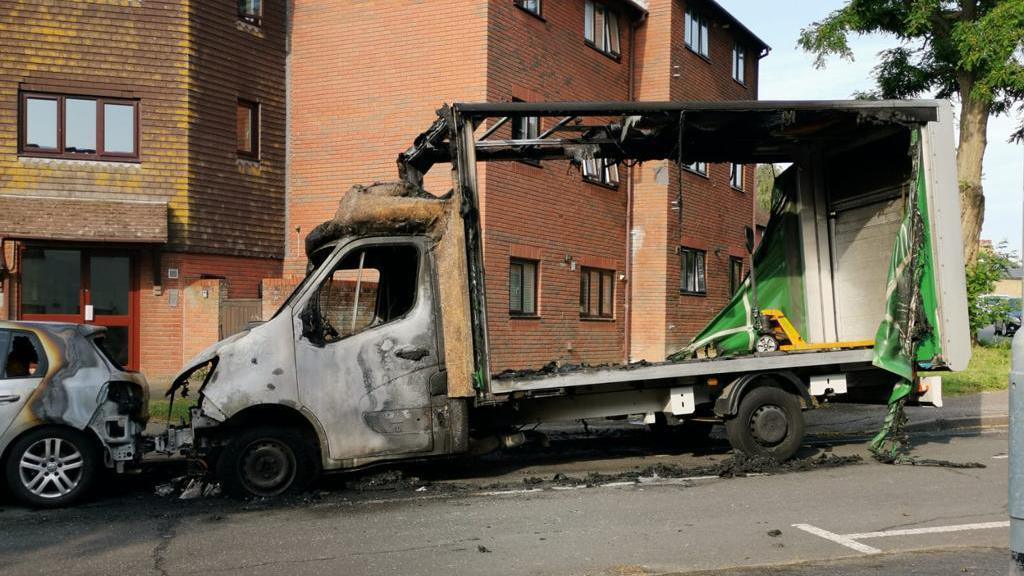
x=267, y=461
x=769, y=422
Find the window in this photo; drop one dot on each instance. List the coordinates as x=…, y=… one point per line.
x=21, y=355
x=81, y=127
x=697, y=168
x=739, y=64
x=369, y=287
x=601, y=28
x=251, y=11
x=736, y=176
x=736, y=276
x=597, y=293
x=601, y=171
x=531, y=6
x=525, y=127
x=697, y=33
x=248, y=129
x=692, y=273
x=522, y=287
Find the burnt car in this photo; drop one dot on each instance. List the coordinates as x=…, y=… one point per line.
x=68, y=411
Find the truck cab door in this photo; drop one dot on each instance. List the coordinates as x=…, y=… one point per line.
x=368, y=349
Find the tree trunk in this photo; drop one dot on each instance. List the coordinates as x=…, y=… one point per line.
x=970, y=153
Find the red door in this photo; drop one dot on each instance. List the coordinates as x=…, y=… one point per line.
x=92, y=286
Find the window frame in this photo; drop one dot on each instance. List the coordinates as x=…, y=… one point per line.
x=5, y=350
x=602, y=273
x=60, y=151
x=519, y=313
x=736, y=280
x=254, y=130
x=739, y=63
x=695, y=168
x=318, y=281
x=249, y=18
x=702, y=47
x=736, y=176
x=539, y=12
x=604, y=169
x=591, y=9
x=698, y=289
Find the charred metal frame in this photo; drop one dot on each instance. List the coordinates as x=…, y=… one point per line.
x=682, y=132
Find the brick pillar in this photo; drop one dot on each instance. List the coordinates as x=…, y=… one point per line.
x=201, y=301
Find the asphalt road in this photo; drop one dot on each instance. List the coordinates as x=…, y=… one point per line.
x=614, y=501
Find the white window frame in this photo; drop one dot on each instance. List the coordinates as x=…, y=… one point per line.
x=739, y=63
x=695, y=33
x=601, y=171
x=697, y=168
x=610, y=40
x=698, y=274
x=526, y=5
x=736, y=176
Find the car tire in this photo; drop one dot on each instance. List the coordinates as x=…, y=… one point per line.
x=267, y=462
x=769, y=422
x=52, y=467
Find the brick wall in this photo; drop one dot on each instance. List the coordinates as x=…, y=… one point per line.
x=171, y=332
x=365, y=79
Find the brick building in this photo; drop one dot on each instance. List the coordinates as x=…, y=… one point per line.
x=141, y=166
x=584, y=263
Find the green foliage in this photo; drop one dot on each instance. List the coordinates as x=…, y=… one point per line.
x=946, y=46
x=990, y=267
x=989, y=369
x=765, y=184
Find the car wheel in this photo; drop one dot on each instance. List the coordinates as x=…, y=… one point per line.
x=266, y=462
x=769, y=422
x=52, y=467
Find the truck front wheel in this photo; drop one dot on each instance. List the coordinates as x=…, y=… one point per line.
x=769, y=422
x=267, y=461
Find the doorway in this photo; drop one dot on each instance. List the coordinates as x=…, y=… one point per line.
x=85, y=286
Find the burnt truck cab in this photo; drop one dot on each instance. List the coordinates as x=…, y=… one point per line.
x=351, y=364
x=381, y=352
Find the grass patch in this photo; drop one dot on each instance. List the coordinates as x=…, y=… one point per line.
x=989, y=369
x=158, y=410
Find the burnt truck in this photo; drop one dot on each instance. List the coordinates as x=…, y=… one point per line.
x=382, y=352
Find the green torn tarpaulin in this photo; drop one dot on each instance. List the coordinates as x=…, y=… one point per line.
x=778, y=270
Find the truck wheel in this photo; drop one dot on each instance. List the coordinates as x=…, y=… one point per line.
x=267, y=461
x=769, y=423
x=52, y=467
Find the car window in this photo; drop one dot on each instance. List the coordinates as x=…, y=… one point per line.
x=24, y=357
x=368, y=287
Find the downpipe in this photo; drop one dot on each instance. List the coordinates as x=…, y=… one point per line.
x=1016, y=457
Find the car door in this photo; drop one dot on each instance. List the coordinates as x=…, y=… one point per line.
x=367, y=349
x=22, y=369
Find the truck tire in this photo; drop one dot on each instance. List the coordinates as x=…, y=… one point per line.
x=769, y=422
x=52, y=467
x=266, y=462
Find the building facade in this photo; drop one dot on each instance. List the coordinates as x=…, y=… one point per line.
x=585, y=264
x=142, y=163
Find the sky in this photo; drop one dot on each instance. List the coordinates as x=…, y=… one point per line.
x=787, y=73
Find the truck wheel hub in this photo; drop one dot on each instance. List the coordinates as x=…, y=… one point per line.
x=769, y=425
x=268, y=466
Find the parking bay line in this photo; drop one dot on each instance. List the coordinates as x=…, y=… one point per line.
x=852, y=540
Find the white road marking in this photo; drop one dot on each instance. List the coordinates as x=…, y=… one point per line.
x=618, y=484
x=851, y=540
x=1000, y=456
x=838, y=539
x=930, y=530
x=509, y=492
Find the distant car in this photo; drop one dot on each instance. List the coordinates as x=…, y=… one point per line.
x=67, y=410
x=1008, y=325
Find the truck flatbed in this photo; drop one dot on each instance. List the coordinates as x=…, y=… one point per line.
x=681, y=369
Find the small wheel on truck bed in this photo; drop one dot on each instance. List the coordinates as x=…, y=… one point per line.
x=769, y=422
x=267, y=461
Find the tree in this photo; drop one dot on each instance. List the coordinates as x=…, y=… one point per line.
x=971, y=49
x=991, y=266
x=765, y=178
